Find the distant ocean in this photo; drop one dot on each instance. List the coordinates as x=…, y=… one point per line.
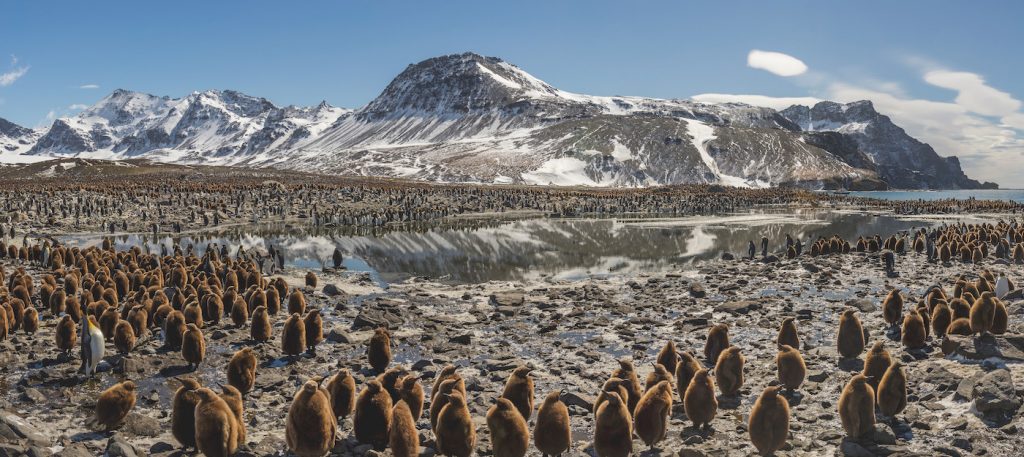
x=1016, y=195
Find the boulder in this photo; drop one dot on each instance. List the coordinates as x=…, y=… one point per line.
x=995, y=396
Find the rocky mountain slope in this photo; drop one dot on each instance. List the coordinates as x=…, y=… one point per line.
x=469, y=118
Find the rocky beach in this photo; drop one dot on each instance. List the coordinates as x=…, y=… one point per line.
x=963, y=397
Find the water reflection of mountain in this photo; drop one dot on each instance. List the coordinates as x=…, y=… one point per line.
x=566, y=248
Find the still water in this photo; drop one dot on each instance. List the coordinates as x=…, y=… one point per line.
x=528, y=249
x=1016, y=195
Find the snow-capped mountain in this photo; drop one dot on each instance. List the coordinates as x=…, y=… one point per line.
x=222, y=126
x=899, y=159
x=15, y=139
x=469, y=118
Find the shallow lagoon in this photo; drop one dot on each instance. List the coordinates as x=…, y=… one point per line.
x=479, y=251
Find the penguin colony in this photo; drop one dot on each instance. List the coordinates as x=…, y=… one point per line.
x=122, y=296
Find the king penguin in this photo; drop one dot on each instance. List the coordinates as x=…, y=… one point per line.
x=92, y=345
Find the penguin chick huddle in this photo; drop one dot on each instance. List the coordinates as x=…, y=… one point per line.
x=180, y=308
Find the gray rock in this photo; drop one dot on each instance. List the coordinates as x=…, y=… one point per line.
x=572, y=398
x=141, y=425
x=24, y=429
x=852, y=449
x=118, y=447
x=697, y=290
x=337, y=335
x=994, y=394
x=74, y=450
x=738, y=307
x=882, y=434
x=332, y=290
x=1008, y=347
x=863, y=305
x=514, y=298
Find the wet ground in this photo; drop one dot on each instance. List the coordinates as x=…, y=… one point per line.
x=572, y=332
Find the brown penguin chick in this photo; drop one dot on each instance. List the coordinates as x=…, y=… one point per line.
x=613, y=428
x=193, y=314
x=311, y=426
x=65, y=335
x=341, y=389
x=519, y=391
x=941, y=317
x=729, y=371
x=314, y=329
x=214, y=425
x=108, y=320
x=788, y=334
x=440, y=399
x=448, y=372
x=174, y=329
x=138, y=318
x=193, y=346
x=509, y=435
x=311, y=279
x=273, y=299
x=58, y=302
x=857, y=407
x=30, y=321
x=242, y=370
x=378, y=351
x=960, y=326
x=256, y=299
x=411, y=392
x=850, y=337
x=552, y=434
x=668, y=356
x=372, y=418
x=233, y=397
x=699, y=401
x=983, y=313
x=769, y=421
x=892, y=307
x=183, y=412
x=913, y=334
x=260, y=329
x=652, y=412
x=293, y=336
x=791, y=367
x=922, y=312
x=296, y=302
x=1001, y=319
x=214, y=308
x=658, y=374
x=124, y=337
x=892, y=391
x=627, y=373
x=455, y=434
x=718, y=340
x=875, y=364
x=389, y=380
x=960, y=308
x=403, y=439
x=687, y=367
x=239, y=312
x=114, y=404
x=613, y=384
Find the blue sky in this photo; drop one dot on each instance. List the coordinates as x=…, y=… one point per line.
x=947, y=71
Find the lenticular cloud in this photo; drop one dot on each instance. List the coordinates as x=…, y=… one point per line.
x=776, y=62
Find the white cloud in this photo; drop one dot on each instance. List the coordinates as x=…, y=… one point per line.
x=757, y=100
x=776, y=62
x=973, y=93
x=78, y=106
x=1015, y=120
x=89, y=86
x=6, y=79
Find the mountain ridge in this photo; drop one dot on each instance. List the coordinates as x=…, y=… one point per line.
x=470, y=118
